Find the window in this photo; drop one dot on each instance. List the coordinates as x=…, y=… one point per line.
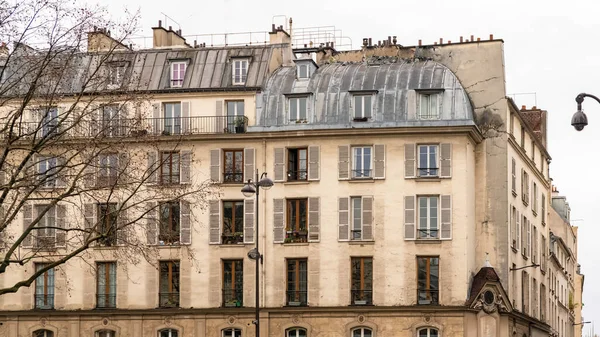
x=106, y=285
x=525, y=292
x=116, y=72
x=428, y=217
x=533, y=151
x=107, y=223
x=43, y=333
x=297, y=285
x=169, y=284
x=107, y=169
x=105, y=333
x=240, y=71
x=233, y=222
x=46, y=232
x=234, y=166
x=428, y=332
x=542, y=302
x=362, y=280
x=296, y=332
x=111, y=123
x=525, y=187
x=298, y=109
x=363, y=106
x=524, y=230
x=50, y=121
x=168, y=333
x=428, y=160
x=233, y=283
x=523, y=137
x=297, y=212
x=297, y=164
x=429, y=106
x=544, y=248
x=44, y=288
x=513, y=226
x=534, y=199
x=169, y=168
x=47, y=170
x=428, y=280
x=172, y=118
x=534, y=299
x=543, y=209
x=177, y=74
x=362, y=332
x=235, y=116
x=362, y=161
x=169, y=223
x=231, y=332
x=534, y=245
x=514, y=177
x=302, y=70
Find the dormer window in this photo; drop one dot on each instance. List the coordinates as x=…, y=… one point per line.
x=363, y=107
x=302, y=71
x=429, y=105
x=298, y=109
x=305, y=67
x=240, y=71
x=116, y=73
x=178, y=73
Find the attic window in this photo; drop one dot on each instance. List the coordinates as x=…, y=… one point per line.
x=302, y=70
x=116, y=73
x=239, y=71
x=429, y=105
x=178, y=73
x=363, y=107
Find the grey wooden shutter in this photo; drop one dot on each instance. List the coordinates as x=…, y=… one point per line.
x=343, y=218
x=157, y=120
x=409, y=217
x=522, y=184
x=409, y=161
x=249, y=220
x=61, y=166
x=446, y=217
x=215, y=165
x=343, y=162
x=61, y=218
x=518, y=231
x=446, y=160
x=186, y=162
x=279, y=165
x=185, y=117
x=314, y=169
x=367, y=215
x=313, y=219
x=185, y=223
x=215, y=222
x=122, y=167
x=220, y=125
x=278, y=220
x=379, y=161
x=152, y=223
x=152, y=167
x=122, y=223
x=249, y=163
x=27, y=219
x=89, y=214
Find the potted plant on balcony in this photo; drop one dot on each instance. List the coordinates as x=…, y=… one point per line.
x=233, y=303
x=240, y=124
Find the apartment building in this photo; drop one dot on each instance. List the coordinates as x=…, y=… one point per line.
x=411, y=197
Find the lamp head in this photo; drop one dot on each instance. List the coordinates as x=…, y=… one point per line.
x=248, y=190
x=579, y=120
x=265, y=183
x=253, y=254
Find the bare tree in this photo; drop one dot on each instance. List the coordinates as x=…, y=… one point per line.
x=72, y=176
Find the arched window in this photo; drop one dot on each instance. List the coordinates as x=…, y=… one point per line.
x=296, y=332
x=168, y=333
x=362, y=332
x=231, y=332
x=43, y=333
x=428, y=332
x=105, y=333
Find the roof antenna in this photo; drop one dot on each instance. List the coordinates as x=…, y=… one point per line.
x=487, y=260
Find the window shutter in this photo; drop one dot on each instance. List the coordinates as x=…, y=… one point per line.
x=446, y=160
x=215, y=165
x=379, y=161
x=152, y=167
x=314, y=163
x=61, y=167
x=185, y=232
x=522, y=184
x=279, y=166
x=89, y=214
x=278, y=220
x=249, y=163
x=343, y=218
x=27, y=219
x=186, y=162
x=446, y=217
x=528, y=251
x=220, y=120
x=409, y=162
x=185, y=117
x=409, y=217
x=89, y=172
x=343, y=162
x=215, y=221
x=313, y=219
x=122, y=165
x=367, y=217
x=523, y=235
x=122, y=222
x=152, y=223
x=61, y=218
x=518, y=230
x=513, y=224
x=157, y=120
x=249, y=220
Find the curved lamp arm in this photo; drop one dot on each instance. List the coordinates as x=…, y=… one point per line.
x=579, y=119
x=580, y=97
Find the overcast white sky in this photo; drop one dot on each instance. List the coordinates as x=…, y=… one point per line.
x=550, y=50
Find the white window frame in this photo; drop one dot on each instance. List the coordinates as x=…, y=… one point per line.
x=295, y=332
x=47, y=164
x=108, y=162
x=354, y=227
x=231, y=332
x=299, y=68
x=116, y=74
x=514, y=177
x=429, y=331
x=241, y=77
x=359, y=103
x=425, y=101
x=525, y=177
x=175, y=124
x=175, y=66
x=105, y=333
x=428, y=166
x=362, y=331
x=298, y=116
x=534, y=207
x=359, y=170
x=44, y=222
x=169, y=331
x=428, y=218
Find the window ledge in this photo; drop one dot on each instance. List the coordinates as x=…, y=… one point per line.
x=366, y=180
x=428, y=241
x=358, y=242
x=297, y=182
x=534, y=212
x=225, y=245
x=231, y=184
x=428, y=179
x=515, y=250
x=295, y=244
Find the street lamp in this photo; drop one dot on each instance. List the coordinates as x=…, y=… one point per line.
x=581, y=323
x=250, y=188
x=579, y=120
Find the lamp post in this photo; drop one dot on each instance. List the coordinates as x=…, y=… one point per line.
x=250, y=188
x=579, y=119
x=582, y=323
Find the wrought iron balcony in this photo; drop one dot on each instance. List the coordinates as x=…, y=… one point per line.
x=168, y=300
x=296, y=298
x=233, y=177
x=297, y=175
x=104, y=301
x=233, y=297
x=44, y=301
x=428, y=296
x=362, y=296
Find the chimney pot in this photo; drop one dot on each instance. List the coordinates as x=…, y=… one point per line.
x=478, y=39
x=491, y=36
x=395, y=40
x=472, y=38
x=370, y=42
x=523, y=107
x=170, y=27
x=435, y=43
x=449, y=42
x=534, y=108
x=461, y=39
x=160, y=23
x=273, y=28
x=420, y=43
x=441, y=41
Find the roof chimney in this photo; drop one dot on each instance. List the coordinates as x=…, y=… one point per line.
x=100, y=40
x=163, y=38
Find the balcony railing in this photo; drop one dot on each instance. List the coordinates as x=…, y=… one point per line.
x=428, y=233
x=428, y=296
x=232, y=238
x=428, y=172
x=168, y=300
x=362, y=296
x=297, y=175
x=296, y=298
x=233, y=177
x=104, y=301
x=233, y=297
x=296, y=236
x=361, y=174
x=44, y=301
